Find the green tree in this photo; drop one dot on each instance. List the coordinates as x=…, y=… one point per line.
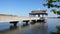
x=53, y=4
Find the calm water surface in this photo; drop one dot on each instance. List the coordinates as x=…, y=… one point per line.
x=37, y=28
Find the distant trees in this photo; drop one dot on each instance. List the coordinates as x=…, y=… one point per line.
x=53, y=4
x=7, y=15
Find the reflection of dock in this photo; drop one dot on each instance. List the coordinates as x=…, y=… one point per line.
x=38, y=28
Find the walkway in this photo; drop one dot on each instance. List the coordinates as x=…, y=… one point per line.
x=14, y=18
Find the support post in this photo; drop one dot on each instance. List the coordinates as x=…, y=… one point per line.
x=33, y=21
x=26, y=21
x=14, y=23
x=42, y=16
x=39, y=15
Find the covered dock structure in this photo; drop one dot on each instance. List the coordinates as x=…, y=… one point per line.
x=38, y=12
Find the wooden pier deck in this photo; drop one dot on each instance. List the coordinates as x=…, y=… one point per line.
x=13, y=18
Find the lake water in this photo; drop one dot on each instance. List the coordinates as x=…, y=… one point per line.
x=37, y=28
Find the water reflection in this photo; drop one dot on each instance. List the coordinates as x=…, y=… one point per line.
x=37, y=28
x=13, y=27
x=10, y=30
x=58, y=30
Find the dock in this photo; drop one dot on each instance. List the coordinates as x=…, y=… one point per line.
x=13, y=18
x=16, y=19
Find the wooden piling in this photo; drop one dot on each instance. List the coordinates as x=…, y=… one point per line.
x=14, y=23
x=26, y=21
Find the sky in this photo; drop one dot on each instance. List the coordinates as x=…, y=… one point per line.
x=22, y=7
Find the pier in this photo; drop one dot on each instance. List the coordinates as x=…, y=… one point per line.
x=15, y=19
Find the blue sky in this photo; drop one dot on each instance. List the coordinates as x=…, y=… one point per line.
x=22, y=7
